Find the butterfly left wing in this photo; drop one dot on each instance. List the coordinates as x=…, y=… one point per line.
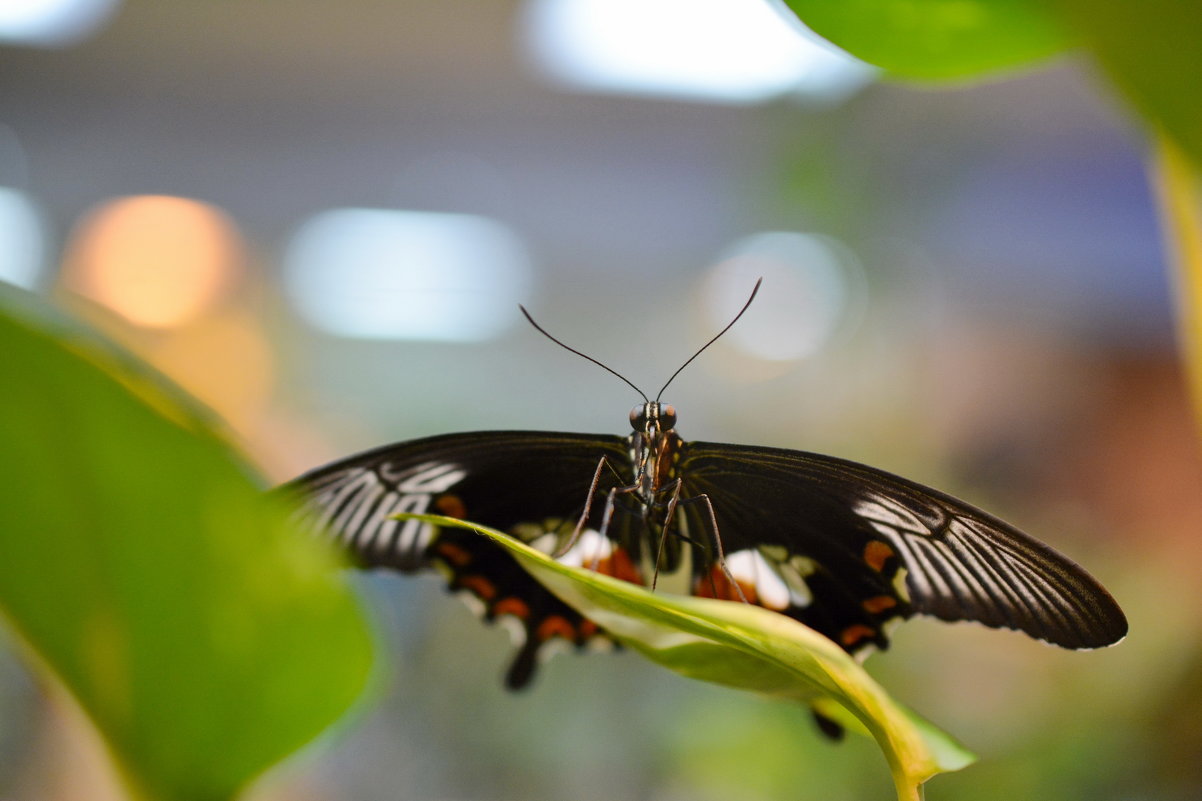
x=508, y=480
x=855, y=547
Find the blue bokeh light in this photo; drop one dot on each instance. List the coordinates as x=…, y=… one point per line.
x=390, y=274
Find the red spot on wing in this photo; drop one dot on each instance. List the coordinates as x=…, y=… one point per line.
x=619, y=565
x=876, y=554
x=855, y=634
x=716, y=584
x=451, y=506
x=479, y=585
x=457, y=556
x=878, y=603
x=512, y=606
x=555, y=626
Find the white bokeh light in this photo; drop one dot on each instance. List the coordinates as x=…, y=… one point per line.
x=389, y=274
x=52, y=23
x=810, y=283
x=726, y=51
x=21, y=239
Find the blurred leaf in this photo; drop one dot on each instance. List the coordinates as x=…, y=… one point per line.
x=1179, y=193
x=750, y=648
x=937, y=39
x=141, y=565
x=1151, y=51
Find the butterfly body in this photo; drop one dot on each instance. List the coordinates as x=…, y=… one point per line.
x=842, y=547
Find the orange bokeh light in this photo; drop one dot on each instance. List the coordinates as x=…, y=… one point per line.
x=225, y=361
x=158, y=261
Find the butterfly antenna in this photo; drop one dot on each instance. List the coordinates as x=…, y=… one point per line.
x=543, y=331
x=707, y=344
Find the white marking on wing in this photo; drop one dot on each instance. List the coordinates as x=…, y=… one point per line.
x=750, y=567
x=352, y=518
x=591, y=547
x=385, y=527
x=881, y=510
x=426, y=477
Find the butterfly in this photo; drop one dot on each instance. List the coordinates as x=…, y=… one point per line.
x=844, y=548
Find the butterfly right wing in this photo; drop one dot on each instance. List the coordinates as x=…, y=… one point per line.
x=859, y=529
x=507, y=480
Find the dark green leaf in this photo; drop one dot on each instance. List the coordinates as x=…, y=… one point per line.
x=1151, y=51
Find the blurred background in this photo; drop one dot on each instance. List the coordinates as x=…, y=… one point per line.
x=320, y=218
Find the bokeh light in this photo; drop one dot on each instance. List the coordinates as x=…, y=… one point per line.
x=812, y=284
x=21, y=239
x=156, y=260
x=725, y=51
x=52, y=23
x=389, y=274
x=223, y=360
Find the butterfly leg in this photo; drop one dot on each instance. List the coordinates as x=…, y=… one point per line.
x=717, y=537
x=602, y=463
x=669, y=516
x=610, y=505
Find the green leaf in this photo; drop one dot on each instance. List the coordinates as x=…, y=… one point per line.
x=1151, y=51
x=937, y=39
x=750, y=648
x=144, y=568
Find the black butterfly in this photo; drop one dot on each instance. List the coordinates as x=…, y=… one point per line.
x=842, y=547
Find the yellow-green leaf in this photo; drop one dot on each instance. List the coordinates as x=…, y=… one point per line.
x=1179, y=192
x=141, y=566
x=750, y=648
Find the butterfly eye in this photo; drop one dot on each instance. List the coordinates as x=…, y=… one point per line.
x=667, y=416
x=638, y=417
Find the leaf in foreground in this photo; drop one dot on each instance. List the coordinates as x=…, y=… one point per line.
x=937, y=39
x=750, y=648
x=142, y=567
x=1151, y=52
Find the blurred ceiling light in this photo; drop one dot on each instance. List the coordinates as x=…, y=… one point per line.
x=52, y=23
x=21, y=239
x=810, y=283
x=387, y=274
x=721, y=51
x=158, y=261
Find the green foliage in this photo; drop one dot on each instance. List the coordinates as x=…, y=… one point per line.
x=937, y=39
x=203, y=636
x=750, y=648
x=1149, y=50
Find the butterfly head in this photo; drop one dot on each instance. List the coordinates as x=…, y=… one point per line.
x=653, y=418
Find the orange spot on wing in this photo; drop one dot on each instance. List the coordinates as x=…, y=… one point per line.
x=588, y=628
x=878, y=604
x=876, y=554
x=512, y=606
x=852, y=635
x=451, y=506
x=454, y=554
x=716, y=584
x=555, y=626
x=619, y=565
x=479, y=585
